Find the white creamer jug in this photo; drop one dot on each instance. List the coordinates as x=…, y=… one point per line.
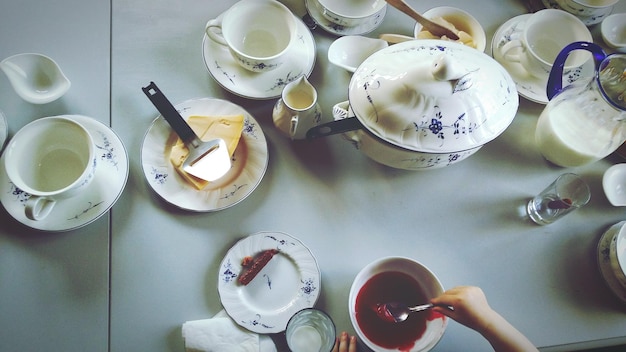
x=297, y=110
x=585, y=121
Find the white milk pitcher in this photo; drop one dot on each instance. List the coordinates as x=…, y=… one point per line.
x=297, y=111
x=585, y=121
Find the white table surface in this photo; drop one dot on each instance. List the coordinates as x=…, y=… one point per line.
x=128, y=281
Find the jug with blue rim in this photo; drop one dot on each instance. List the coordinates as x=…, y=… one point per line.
x=586, y=120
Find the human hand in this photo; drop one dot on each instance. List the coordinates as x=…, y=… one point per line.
x=469, y=304
x=345, y=343
x=471, y=309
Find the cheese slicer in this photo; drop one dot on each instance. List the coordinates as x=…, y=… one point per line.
x=206, y=160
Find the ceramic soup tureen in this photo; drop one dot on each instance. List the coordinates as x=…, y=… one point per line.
x=424, y=104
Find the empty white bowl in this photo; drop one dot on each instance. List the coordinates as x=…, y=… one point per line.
x=614, y=184
x=613, y=30
x=394, y=279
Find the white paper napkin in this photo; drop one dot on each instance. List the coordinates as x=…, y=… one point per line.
x=222, y=334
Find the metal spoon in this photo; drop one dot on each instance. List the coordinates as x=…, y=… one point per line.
x=396, y=312
x=434, y=28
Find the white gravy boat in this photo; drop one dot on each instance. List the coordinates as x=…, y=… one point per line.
x=36, y=78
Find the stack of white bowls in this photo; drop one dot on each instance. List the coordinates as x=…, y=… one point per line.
x=612, y=259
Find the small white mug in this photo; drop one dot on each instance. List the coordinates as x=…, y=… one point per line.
x=51, y=158
x=257, y=32
x=542, y=37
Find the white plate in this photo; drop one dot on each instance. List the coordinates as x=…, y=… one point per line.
x=528, y=86
x=333, y=28
x=97, y=199
x=267, y=85
x=288, y=283
x=604, y=262
x=248, y=163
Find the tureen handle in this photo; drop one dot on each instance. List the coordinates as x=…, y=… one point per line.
x=445, y=69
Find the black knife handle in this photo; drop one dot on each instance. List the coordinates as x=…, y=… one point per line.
x=169, y=112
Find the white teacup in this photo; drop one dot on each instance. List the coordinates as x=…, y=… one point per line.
x=257, y=32
x=541, y=39
x=351, y=13
x=51, y=158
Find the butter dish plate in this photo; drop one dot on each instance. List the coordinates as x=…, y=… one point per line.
x=249, y=162
x=288, y=283
x=88, y=206
x=267, y=85
x=333, y=28
x=528, y=86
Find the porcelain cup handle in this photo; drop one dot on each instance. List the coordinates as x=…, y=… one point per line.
x=37, y=208
x=508, y=47
x=293, y=126
x=515, y=42
x=213, y=30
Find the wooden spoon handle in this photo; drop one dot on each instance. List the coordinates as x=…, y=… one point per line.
x=434, y=28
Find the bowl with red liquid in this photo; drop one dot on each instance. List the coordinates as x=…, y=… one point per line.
x=396, y=279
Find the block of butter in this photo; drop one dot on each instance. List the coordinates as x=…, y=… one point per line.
x=227, y=127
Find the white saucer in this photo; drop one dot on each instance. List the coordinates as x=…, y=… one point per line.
x=267, y=85
x=604, y=262
x=529, y=86
x=333, y=28
x=97, y=199
x=248, y=163
x=289, y=283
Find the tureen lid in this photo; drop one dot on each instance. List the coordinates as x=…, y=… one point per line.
x=433, y=95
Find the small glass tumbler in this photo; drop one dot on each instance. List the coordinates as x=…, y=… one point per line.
x=310, y=330
x=567, y=193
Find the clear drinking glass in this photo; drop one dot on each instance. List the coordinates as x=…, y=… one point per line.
x=567, y=193
x=310, y=330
